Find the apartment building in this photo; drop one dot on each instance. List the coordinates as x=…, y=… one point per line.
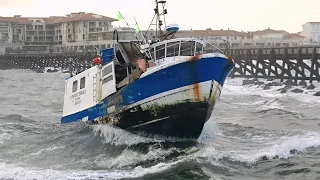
x=264, y=38
x=80, y=26
x=268, y=34
x=210, y=34
x=29, y=31
x=311, y=30
x=40, y=33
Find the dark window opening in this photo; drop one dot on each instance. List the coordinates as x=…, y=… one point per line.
x=152, y=54
x=198, y=48
x=107, y=70
x=107, y=79
x=173, y=49
x=187, y=48
x=160, y=52
x=75, y=86
x=82, y=82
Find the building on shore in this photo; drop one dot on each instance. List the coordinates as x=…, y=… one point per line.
x=82, y=31
x=38, y=34
x=311, y=30
x=264, y=38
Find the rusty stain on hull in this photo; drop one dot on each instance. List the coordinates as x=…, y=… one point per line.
x=195, y=87
x=196, y=92
x=196, y=57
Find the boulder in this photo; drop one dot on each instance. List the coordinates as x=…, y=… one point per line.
x=258, y=83
x=283, y=90
x=287, y=87
x=317, y=93
x=266, y=87
x=247, y=82
x=296, y=90
x=274, y=84
x=290, y=82
x=311, y=86
x=302, y=83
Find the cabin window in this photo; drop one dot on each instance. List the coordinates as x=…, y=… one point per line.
x=75, y=86
x=160, y=52
x=107, y=70
x=107, y=79
x=173, y=49
x=152, y=54
x=198, y=48
x=187, y=48
x=82, y=82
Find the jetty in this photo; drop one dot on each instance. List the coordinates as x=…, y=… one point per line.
x=295, y=63
x=79, y=60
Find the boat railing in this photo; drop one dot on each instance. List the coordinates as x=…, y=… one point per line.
x=172, y=49
x=213, y=48
x=184, y=48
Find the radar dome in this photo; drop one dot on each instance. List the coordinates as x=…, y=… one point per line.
x=172, y=27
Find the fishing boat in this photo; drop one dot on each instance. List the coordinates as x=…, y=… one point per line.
x=158, y=85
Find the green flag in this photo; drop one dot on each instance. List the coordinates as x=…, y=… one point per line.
x=120, y=17
x=137, y=29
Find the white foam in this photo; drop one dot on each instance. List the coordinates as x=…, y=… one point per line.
x=234, y=87
x=7, y=133
x=14, y=172
x=46, y=150
x=131, y=158
x=4, y=136
x=209, y=131
x=116, y=136
x=274, y=105
x=280, y=148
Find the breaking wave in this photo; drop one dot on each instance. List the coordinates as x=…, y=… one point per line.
x=250, y=127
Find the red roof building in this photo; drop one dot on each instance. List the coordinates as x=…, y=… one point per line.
x=53, y=30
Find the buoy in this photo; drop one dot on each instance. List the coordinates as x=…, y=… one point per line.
x=97, y=61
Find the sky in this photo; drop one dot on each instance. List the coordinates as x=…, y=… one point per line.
x=240, y=15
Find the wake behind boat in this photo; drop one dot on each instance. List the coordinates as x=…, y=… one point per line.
x=165, y=86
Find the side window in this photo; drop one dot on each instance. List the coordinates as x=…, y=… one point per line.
x=187, y=48
x=106, y=70
x=75, y=86
x=173, y=49
x=107, y=79
x=198, y=48
x=82, y=82
x=152, y=53
x=160, y=52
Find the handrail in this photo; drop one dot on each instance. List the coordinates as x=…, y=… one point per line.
x=169, y=55
x=227, y=44
x=193, y=48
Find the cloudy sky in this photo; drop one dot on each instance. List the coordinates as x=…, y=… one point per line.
x=246, y=15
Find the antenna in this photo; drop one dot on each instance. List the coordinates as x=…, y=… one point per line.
x=120, y=17
x=138, y=30
x=157, y=14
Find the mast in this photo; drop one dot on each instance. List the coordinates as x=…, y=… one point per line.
x=157, y=15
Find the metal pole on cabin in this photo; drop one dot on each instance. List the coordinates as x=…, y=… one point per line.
x=70, y=66
x=128, y=74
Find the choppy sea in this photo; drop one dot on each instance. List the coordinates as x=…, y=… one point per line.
x=252, y=134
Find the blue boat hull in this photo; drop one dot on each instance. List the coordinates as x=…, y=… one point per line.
x=136, y=107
